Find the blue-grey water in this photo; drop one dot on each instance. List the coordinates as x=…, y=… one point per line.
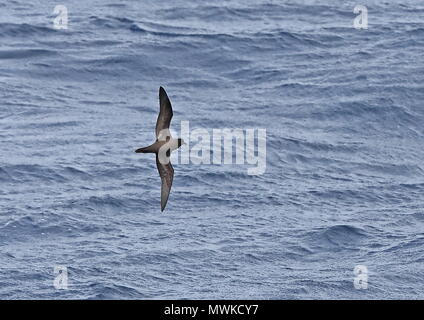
x=344, y=182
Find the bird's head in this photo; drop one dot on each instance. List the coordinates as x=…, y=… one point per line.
x=180, y=142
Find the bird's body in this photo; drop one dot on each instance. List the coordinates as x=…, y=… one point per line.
x=163, y=146
x=171, y=144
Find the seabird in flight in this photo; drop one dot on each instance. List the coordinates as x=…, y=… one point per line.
x=163, y=146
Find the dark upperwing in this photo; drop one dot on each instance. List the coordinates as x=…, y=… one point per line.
x=165, y=113
x=166, y=172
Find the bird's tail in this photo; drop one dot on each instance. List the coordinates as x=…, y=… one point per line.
x=149, y=149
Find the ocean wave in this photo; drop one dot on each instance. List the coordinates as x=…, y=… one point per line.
x=24, y=30
x=337, y=237
x=112, y=291
x=25, y=53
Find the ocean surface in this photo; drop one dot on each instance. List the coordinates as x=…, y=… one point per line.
x=344, y=117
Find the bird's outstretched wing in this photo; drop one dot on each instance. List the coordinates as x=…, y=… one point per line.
x=165, y=113
x=166, y=172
